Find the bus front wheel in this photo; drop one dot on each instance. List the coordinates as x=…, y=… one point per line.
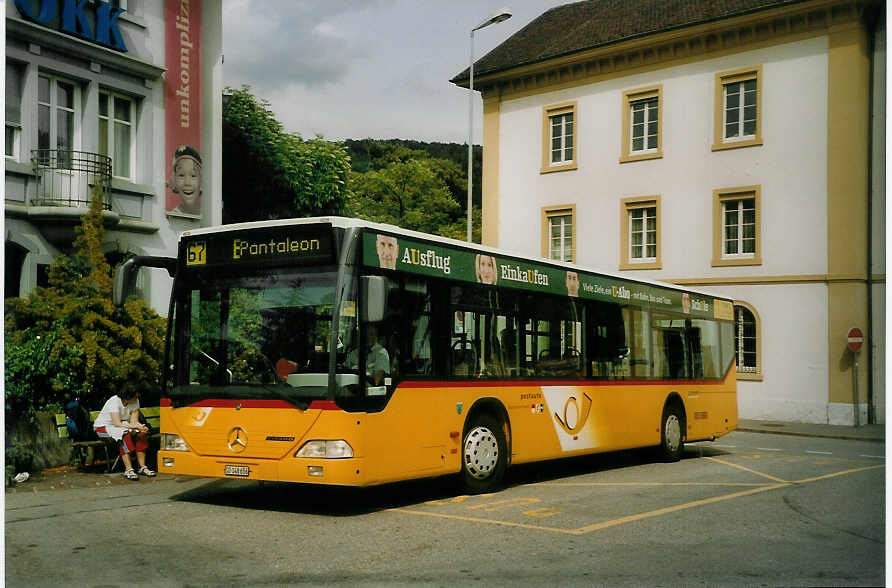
x=672, y=434
x=484, y=455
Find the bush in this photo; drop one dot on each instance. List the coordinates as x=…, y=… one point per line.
x=69, y=341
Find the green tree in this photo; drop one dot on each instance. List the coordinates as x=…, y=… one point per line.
x=411, y=194
x=68, y=340
x=268, y=173
x=375, y=154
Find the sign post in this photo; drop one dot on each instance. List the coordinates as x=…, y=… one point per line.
x=855, y=339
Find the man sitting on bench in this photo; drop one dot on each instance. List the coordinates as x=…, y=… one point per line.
x=119, y=420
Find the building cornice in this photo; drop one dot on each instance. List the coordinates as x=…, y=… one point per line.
x=695, y=43
x=42, y=36
x=776, y=280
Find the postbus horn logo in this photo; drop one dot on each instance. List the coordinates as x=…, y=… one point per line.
x=574, y=417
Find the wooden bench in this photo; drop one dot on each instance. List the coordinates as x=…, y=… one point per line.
x=108, y=446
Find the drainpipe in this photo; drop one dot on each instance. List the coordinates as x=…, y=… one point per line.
x=870, y=21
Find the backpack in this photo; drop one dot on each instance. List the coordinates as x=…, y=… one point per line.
x=77, y=420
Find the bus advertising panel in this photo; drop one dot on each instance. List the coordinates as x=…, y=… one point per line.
x=399, y=253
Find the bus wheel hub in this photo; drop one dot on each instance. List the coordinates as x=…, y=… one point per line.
x=481, y=452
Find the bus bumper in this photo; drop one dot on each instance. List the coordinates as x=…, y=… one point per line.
x=339, y=472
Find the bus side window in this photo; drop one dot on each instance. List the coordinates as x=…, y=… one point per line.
x=671, y=347
x=706, y=339
x=409, y=341
x=607, y=348
x=637, y=362
x=510, y=349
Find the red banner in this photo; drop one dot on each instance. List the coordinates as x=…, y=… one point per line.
x=182, y=107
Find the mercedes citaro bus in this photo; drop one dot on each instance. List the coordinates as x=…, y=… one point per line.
x=343, y=352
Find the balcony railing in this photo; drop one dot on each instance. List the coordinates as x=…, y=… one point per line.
x=67, y=178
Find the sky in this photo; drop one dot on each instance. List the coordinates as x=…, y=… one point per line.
x=355, y=69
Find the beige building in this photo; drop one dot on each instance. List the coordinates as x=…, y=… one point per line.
x=735, y=146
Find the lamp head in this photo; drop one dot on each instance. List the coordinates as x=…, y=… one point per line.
x=496, y=17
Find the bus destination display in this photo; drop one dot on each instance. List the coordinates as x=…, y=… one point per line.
x=287, y=245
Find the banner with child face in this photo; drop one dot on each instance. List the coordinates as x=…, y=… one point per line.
x=182, y=106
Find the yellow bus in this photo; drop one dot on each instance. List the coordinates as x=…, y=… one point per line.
x=341, y=352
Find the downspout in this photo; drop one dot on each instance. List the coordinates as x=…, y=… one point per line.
x=870, y=21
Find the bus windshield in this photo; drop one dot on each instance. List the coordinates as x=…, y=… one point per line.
x=261, y=335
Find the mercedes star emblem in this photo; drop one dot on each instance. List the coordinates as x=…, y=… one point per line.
x=237, y=440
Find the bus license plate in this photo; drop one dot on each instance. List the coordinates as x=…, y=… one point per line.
x=236, y=470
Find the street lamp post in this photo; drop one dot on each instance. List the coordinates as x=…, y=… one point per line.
x=496, y=17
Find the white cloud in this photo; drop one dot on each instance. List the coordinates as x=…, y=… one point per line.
x=363, y=68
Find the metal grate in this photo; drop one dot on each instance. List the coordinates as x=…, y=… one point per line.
x=67, y=178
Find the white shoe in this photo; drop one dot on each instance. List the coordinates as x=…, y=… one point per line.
x=19, y=478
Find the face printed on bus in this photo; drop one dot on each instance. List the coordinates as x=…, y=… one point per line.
x=387, y=250
x=572, y=284
x=486, y=269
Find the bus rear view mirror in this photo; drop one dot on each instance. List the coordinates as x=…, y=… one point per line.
x=374, y=298
x=125, y=274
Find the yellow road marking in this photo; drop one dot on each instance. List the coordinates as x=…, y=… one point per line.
x=843, y=473
x=544, y=512
x=503, y=504
x=670, y=509
x=454, y=500
x=746, y=469
x=647, y=484
x=551, y=511
x=596, y=526
x=440, y=515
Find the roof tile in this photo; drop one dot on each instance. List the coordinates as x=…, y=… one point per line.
x=580, y=26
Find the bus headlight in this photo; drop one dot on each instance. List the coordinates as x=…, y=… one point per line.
x=171, y=442
x=322, y=449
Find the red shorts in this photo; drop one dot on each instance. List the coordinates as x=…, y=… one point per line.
x=129, y=443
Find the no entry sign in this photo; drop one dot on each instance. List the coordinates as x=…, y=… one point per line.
x=855, y=339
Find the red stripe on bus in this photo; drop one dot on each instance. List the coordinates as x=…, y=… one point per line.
x=243, y=403
x=255, y=403
x=527, y=383
x=537, y=383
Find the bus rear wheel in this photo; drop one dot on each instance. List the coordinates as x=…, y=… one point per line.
x=672, y=434
x=484, y=455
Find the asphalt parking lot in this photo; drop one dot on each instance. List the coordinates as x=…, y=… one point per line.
x=710, y=475
x=750, y=509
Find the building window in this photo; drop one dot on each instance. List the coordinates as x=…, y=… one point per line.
x=43, y=275
x=13, y=264
x=557, y=233
x=13, y=110
x=738, y=104
x=739, y=234
x=116, y=133
x=562, y=138
x=747, y=347
x=642, y=110
x=559, y=138
x=58, y=108
x=643, y=233
x=736, y=227
x=640, y=233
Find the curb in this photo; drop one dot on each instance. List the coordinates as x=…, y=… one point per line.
x=818, y=434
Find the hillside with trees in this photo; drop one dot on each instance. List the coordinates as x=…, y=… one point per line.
x=269, y=174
